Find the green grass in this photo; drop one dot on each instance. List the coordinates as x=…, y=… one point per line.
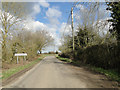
x=12, y=71
x=64, y=59
x=111, y=74
x=0, y=75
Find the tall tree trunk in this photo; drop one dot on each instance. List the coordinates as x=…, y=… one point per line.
x=4, y=54
x=4, y=50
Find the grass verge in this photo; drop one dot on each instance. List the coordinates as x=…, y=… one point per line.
x=111, y=74
x=12, y=71
x=64, y=59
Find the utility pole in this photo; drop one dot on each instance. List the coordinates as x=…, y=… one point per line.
x=72, y=32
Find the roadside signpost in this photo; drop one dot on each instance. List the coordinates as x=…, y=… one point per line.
x=20, y=54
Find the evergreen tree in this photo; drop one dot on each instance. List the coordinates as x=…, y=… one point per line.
x=114, y=7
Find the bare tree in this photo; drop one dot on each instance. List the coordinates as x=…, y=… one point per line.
x=42, y=39
x=11, y=14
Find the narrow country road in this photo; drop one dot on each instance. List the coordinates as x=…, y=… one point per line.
x=53, y=73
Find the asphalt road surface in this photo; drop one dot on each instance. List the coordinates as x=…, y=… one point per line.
x=53, y=73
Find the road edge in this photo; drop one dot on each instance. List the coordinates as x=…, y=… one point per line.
x=19, y=74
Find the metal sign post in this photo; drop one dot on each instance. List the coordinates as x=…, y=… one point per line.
x=20, y=54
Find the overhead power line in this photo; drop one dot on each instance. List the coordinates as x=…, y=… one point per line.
x=69, y=17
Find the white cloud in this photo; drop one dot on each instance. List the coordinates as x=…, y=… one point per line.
x=44, y=4
x=53, y=14
x=65, y=29
x=36, y=9
x=35, y=25
x=39, y=26
x=102, y=27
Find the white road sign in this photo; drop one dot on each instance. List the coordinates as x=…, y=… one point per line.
x=21, y=54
